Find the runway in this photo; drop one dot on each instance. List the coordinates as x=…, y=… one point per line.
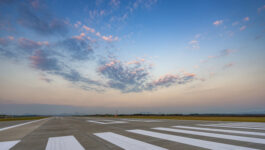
x=85, y=133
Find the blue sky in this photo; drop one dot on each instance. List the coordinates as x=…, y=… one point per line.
x=125, y=54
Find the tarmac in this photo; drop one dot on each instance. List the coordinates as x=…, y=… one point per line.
x=100, y=133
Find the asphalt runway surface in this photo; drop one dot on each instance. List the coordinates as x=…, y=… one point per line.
x=80, y=133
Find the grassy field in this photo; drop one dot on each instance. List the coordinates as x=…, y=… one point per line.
x=208, y=118
x=20, y=118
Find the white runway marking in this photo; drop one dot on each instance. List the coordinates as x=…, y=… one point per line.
x=127, y=143
x=248, y=125
x=191, y=141
x=228, y=126
x=222, y=136
x=64, y=143
x=8, y=144
x=245, y=124
x=106, y=121
x=18, y=125
x=142, y=120
x=222, y=130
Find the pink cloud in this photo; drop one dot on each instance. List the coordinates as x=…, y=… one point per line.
x=218, y=22
x=5, y=41
x=10, y=37
x=98, y=34
x=109, y=64
x=115, y=3
x=88, y=29
x=139, y=61
x=37, y=58
x=77, y=24
x=195, y=66
x=246, y=19
x=261, y=8
x=194, y=44
x=222, y=53
x=30, y=44
x=242, y=28
x=80, y=37
x=110, y=38
x=35, y=4
x=235, y=23
x=169, y=79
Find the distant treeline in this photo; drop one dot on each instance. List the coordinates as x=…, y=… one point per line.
x=202, y=115
x=137, y=114
x=21, y=116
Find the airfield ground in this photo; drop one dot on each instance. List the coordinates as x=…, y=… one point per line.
x=104, y=133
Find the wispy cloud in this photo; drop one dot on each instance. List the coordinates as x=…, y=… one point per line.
x=77, y=24
x=228, y=65
x=235, y=23
x=246, y=19
x=110, y=38
x=80, y=37
x=43, y=77
x=35, y=4
x=134, y=76
x=115, y=3
x=30, y=44
x=44, y=23
x=79, y=48
x=4, y=41
x=88, y=29
x=242, y=28
x=223, y=53
x=194, y=44
x=42, y=61
x=261, y=8
x=217, y=22
x=124, y=77
x=171, y=79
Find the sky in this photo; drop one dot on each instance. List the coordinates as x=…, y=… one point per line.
x=132, y=56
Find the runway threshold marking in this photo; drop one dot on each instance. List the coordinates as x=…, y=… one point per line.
x=222, y=136
x=63, y=143
x=108, y=122
x=242, y=125
x=142, y=120
x=8, y=144
x=21, y=124
x=222, y=130
x=229, y=126
x=190, y=141
x=127, y=143
x=245, y=124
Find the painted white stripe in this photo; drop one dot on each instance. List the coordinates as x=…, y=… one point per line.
x=222, y=130
x=222, y=136
x=191, y=141
x=96, y=122
x=8, y=144
x=63, y=143
x=142, y=120
x=21, y=124
x=127, y=143
x=225, y=126
x=243, y=124
x=113, y=122
x=246, y=124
